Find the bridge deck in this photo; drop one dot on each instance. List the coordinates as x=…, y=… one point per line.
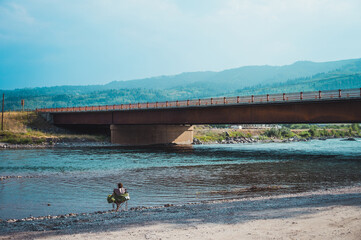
x=309, y=107
x=239, y=100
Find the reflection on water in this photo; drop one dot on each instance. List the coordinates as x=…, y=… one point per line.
x=78, y=180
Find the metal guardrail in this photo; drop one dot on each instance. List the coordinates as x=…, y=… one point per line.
x=268, y=98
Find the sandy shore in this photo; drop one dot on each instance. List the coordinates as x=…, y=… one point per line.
x=326, y=223
x=324, y=214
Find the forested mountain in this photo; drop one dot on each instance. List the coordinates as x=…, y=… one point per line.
x=349, y=76
x=300, y=76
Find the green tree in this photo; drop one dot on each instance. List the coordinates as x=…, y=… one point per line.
x=355, y=127
x=313, y=131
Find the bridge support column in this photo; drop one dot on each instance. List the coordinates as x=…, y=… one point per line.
x=151, y=134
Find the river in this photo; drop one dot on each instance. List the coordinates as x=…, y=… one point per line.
x=75, y=180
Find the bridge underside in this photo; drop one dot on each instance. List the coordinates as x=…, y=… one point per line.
x=151, y=134
x=155, y=126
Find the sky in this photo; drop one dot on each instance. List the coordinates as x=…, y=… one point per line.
x=85, y=42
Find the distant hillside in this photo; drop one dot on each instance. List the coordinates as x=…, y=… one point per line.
x=233, y=78
x=300, y=76
x=348, y=76
x=162, y=82
x=250, y=76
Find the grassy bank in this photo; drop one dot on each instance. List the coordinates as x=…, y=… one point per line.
x=208, y=134
x=30, y=128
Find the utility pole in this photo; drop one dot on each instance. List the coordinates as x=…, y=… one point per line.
x=2, y=114
x=22, y=104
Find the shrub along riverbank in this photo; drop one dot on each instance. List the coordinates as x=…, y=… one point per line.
x=294, y=132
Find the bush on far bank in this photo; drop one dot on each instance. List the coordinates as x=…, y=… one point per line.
x=20, y=138
x=283, y=132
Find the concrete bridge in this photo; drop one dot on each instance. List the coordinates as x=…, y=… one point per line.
x=171, y=121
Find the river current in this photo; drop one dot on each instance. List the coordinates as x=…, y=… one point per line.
x=76, y=180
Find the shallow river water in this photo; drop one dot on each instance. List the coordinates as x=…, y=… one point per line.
x=65, y=180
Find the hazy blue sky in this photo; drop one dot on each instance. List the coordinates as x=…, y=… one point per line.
x=79, y=42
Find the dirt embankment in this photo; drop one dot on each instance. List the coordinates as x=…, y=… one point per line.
x=30, y=130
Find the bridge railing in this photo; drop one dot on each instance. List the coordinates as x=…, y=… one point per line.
x=267, y=98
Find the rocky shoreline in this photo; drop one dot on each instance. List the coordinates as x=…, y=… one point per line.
x=227, y=140
x=57, y=144
x=2, y=178
x=240, y=140
x=139, y=208
x=32, y=218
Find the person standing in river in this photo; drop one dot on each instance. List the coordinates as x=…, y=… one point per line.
x=121, y=195
x=120, y=190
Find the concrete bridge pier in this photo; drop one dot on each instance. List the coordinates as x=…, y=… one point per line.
x=134, y=135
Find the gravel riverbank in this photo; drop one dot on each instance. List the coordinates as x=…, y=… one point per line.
x=240, y=140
